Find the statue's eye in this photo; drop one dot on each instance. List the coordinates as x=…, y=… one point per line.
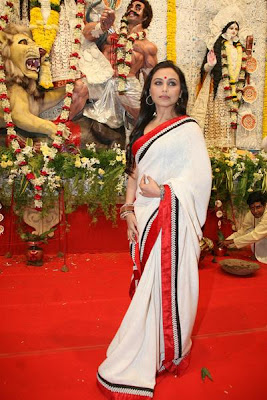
x=23, y=41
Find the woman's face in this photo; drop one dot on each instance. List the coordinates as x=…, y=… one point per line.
x=165, y=88
x=232, y=31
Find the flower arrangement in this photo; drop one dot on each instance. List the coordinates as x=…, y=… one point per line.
x=124, y=52
x=32, y=168
x=91, y=176
x=233, y=79
x=235, y=174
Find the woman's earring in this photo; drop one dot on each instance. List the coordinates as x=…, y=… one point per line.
x=147, y=100
x=179, y=101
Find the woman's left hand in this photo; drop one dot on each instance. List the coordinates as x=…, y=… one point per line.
x=150, y=189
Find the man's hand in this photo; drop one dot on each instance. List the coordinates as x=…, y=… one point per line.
x=107, y=19
x=226, y=243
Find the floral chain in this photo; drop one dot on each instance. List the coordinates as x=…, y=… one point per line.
x=234, y=80
x=124, y=52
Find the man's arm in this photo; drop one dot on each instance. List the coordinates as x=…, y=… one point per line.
x=247, y=226
x=93, y=30
x=258, y=233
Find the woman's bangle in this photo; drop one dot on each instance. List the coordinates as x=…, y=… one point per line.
x=127, y=207
x=124, y=214
x=162, y=192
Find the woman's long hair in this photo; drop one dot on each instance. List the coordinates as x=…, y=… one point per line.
x=147, y=112
x=217, y=69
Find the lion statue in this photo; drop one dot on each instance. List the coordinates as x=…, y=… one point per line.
x=22, y=59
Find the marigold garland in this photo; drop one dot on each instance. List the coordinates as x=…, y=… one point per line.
x=44, y=35
x=264, y=123
x=171, y=30
x=233, y=79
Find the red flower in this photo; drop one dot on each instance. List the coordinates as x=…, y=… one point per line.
x=4, y=17
x=233, y=125
x=79, y=15
x=30, y=176
x=66, y=108
x=227, y=88
x=44, y=173
x=81, y=1
x=22, y=163
x=37, y=196
x=122, y=76
x=18, y=151
x=7, y=110
x=68, y=94
x=78, y=26
x=73, y=67
x=37, y=187
x=57, y=146
x=9, y=4
x=3, y=95
x=75, y=55
x=12, y=137
x=59, y=133
x=38, y=209
x=77, y=41
x=2, y=80
x=10, y=125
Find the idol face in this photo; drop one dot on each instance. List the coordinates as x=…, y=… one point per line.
x=135, y=12
x=165, y=88
x=232, y=31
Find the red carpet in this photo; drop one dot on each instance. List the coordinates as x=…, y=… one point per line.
x=55, y=328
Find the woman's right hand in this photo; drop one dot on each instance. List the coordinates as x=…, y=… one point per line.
x=132, y=230
x=211, y=59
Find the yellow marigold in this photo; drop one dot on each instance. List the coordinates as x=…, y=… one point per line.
x=101, y=171
x=3, y=164
x=9, y=163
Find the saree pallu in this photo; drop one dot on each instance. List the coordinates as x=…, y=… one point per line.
x=154, y=335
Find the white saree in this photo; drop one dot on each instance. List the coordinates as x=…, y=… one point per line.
x=154, y=335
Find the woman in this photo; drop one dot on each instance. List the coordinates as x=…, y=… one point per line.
x=169, y=183
x=223, y=69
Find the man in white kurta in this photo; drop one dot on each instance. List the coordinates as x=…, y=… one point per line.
x=254, y=228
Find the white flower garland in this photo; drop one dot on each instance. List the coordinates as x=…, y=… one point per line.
x=125, y=51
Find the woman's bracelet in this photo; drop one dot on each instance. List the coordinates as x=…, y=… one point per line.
x=127, y=207
x=124, y=214
x=162, y=192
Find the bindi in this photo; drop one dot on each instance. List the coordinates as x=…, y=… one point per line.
x=165, y=77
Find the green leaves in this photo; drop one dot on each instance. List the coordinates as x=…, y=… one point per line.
x=205, y=373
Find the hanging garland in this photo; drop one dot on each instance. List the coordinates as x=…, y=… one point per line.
x=124, y=48
x=171, y=30
x=264, y=124
x=24, y=155
x=233, y=79
x=44, y=35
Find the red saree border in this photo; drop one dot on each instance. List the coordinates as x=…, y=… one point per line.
x=143, y=139
x=163, y=222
